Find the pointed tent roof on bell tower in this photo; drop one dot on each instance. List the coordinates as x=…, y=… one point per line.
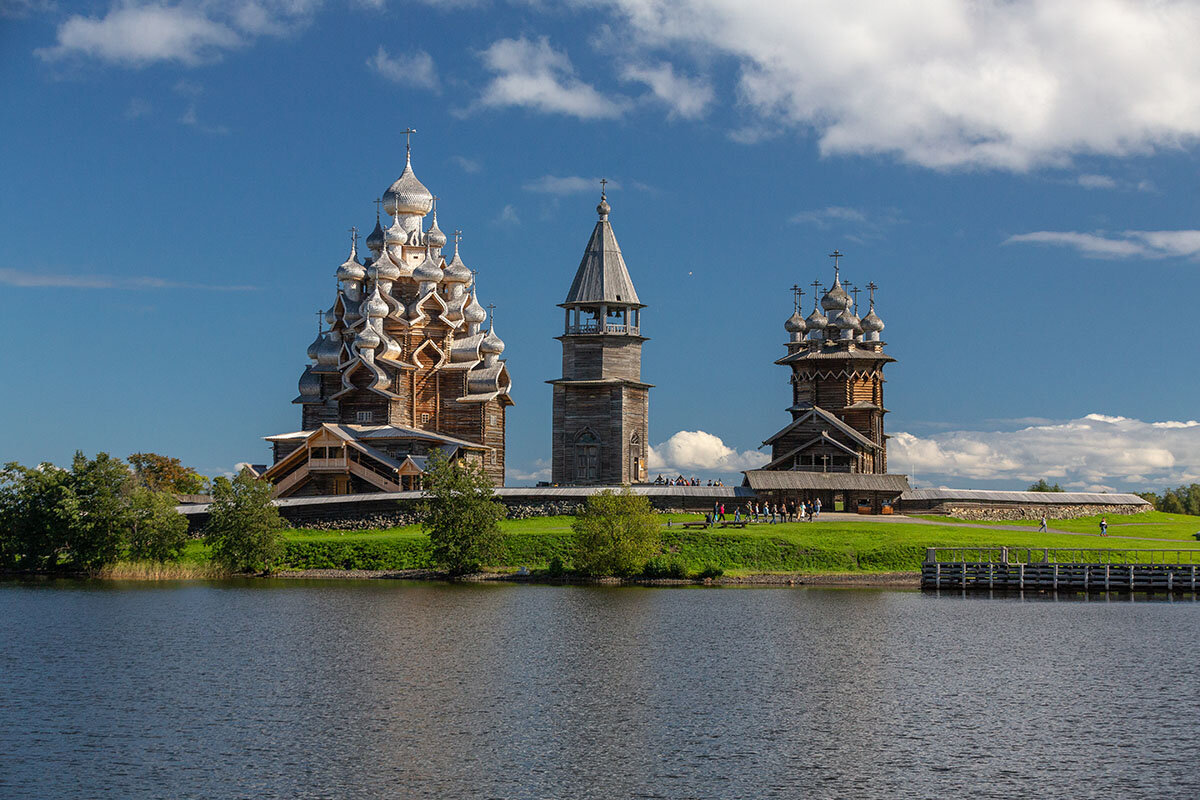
x=602, y=276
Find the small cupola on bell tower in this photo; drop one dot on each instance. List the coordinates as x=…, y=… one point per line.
x=601, y=405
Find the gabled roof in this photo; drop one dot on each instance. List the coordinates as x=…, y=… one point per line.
x=815, y=481
x=832, y=420
x=602, y=276
x=367, y=433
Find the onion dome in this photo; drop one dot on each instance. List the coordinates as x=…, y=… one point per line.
x=816, y=320
x=315, y=347
x=375, y=240
x=351, y=270
x=310, y=384
x=848, y=320
x=492, y=344
x=871, y=323
x=375, y=307
x=396, y=234
x=435, y=237
x=367, y=339
x=795, y=323
x=330, y=351
x=836, y=298
x=456, y=270
x=350, y=316
x=474, y=313
x=384, y=268
x=331, y=316
x=603, y=208
x=407, y=195
x=428, y=271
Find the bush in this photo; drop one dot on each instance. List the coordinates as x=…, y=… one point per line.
x=37, y=506
x=157, y=532
x=462, y=518
x=243, y=527
x=616, y=534
x=556, y=568
x=664, y=566
x=710, y=571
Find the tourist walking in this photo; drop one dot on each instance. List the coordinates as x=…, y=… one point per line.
x=817, y=508
x=1103, y=526
x=1042, y=529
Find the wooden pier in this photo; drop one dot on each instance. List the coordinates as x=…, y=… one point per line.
x=1060, y=570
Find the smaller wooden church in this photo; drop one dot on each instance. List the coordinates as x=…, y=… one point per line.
x=834, y=448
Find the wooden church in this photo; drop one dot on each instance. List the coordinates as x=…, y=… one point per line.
x=834, y=447
x=404, y=366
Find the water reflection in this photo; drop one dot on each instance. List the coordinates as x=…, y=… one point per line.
x=385, y=689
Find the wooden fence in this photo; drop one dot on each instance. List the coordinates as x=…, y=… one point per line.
x=1061, y=569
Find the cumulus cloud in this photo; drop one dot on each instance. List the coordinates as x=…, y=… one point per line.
x=1126, y=244
x=508, y=216
x=26, y=279
x=567, y=184
x=684, y=97
x=1095, y=450
x=951, y=83
x=539, y=471
x=1096, y=182
x=137, y=34
x=466, y=164
x=532, y=74
x=693, y=451
x=412, y=70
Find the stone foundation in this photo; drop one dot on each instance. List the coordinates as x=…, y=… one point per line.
x=1002, y=513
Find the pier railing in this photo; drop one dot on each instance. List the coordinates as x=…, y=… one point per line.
x=1059, y=555
x=1061, y=569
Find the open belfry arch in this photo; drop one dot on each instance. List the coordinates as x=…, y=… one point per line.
x=837, y=427
x=601, y=413
x=402, y=364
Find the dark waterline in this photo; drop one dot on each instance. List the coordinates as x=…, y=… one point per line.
x=391, y=689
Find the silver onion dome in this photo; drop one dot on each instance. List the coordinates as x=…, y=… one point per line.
x=407, y=195
x=375, y=307
x=428, y=271
x=331, y=350
x=434, y=236
x=871, y=323
x=474, y=312
x=491, y=344
x=456, y=271
x=331, y=316
x=367, y=339
x=603, y=208
x=351, y=270
x=836, y=298
x=795, y=323
x=375, y=240
x=310, y=384
x=848, y=320
x=384, y=268
x=315, y=347
x=816, y=321
x=395, y=234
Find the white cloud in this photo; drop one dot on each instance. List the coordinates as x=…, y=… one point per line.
x=1096, y=182
x=136, y=34
x=1126, y=244
x=508, y=216
x=532, y=74
x=413, y=70
x=26, y=279
x=1095, y=450
x=691, y=451
x=952, y=83
x=540, y=471
x=822, y=217
x=138, y=107
x=685, y=97
x=567, y=184
x=466, y=164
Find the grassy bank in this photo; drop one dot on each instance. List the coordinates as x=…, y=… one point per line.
x=1152, y=524
x=830, y=547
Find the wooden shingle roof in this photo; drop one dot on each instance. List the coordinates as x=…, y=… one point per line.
x=602, y=276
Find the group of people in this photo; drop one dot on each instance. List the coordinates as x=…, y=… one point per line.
x=771, y=513
x=682, y=481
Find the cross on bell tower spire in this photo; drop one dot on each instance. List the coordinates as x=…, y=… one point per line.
x=407, y=134
x=871, y=287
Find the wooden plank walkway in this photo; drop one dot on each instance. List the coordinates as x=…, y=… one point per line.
x=1061, y=570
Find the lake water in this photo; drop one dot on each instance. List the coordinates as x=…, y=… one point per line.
x=391, y=689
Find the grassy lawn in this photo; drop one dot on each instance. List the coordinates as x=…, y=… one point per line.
x=1148, y=524
x=832, y=546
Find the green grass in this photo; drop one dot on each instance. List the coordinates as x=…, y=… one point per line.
x=1148, y=524
x=830, y=547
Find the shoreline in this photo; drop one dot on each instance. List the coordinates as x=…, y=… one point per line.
x=891, y=580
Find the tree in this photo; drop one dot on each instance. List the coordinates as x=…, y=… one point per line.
x=243, y=527
x=157, y=532
x=166, y=474
x=37, y=507
x=615, y=534
x=101, y=489
x=461, y=516
x=1042, y=486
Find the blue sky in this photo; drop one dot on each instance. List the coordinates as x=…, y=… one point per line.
x=1019, y=178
